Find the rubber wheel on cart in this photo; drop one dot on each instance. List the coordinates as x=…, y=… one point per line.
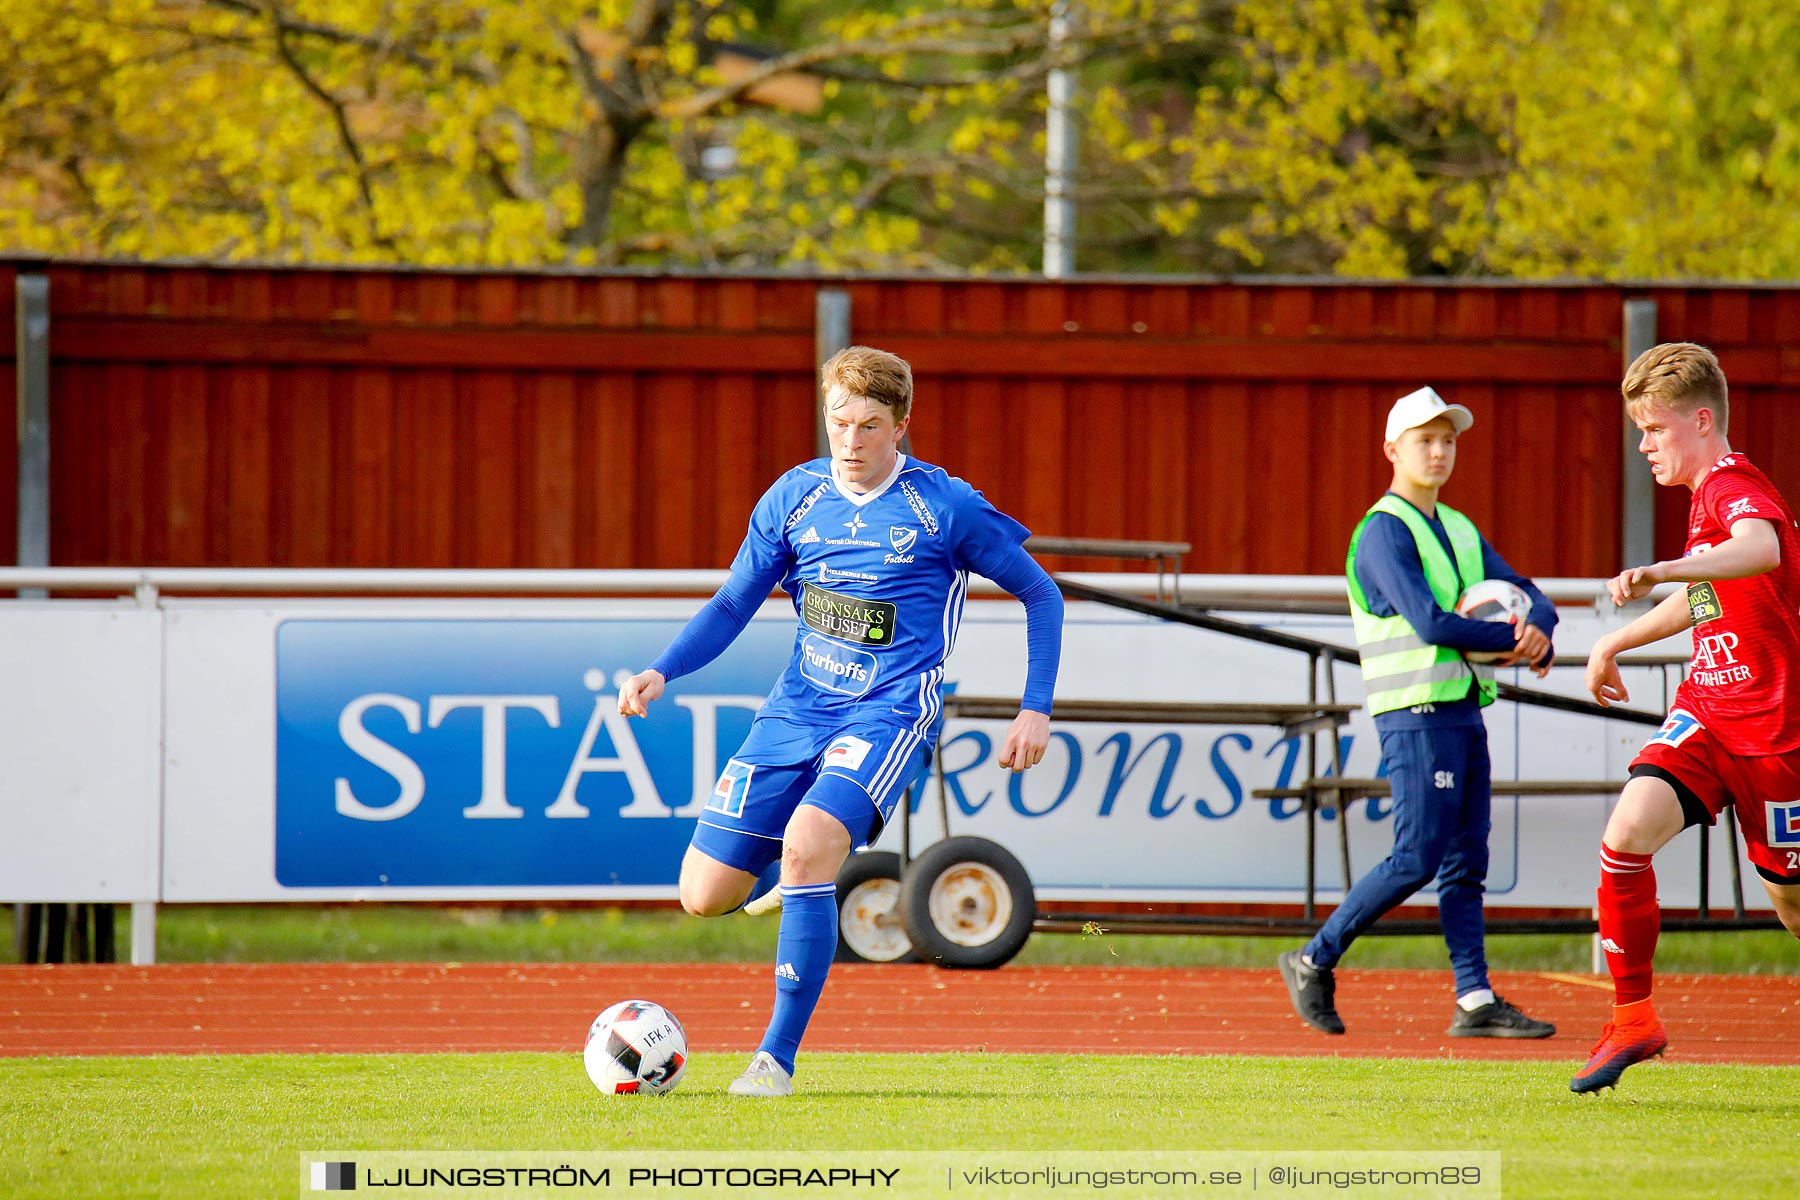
x=869, y=928
x=967, y=902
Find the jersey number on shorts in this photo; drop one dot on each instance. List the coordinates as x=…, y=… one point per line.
x=728, y=794
x=1680, y=726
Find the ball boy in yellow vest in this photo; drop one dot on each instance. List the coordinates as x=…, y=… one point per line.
x=1410, y=558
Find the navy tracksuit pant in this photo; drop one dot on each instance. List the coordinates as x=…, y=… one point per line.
x=1441, y=781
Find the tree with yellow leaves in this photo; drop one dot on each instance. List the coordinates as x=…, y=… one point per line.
x=1529, y=138
x=1363, y=137
x=519, y=132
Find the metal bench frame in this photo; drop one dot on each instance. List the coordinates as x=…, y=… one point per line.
x=1317, y=791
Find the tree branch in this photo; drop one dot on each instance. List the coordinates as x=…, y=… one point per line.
x=346, y=135
x=293, y=26
x=609, y=101
x=896, y=39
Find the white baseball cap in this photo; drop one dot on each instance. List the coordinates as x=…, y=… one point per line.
x=1415, y=408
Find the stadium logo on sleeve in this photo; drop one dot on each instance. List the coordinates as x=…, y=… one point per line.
x=1703, y=603
x=805, y=505
x=1784, y=823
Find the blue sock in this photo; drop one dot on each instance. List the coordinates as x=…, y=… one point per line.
x=803, y=954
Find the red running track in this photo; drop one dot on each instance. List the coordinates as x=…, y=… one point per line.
x=426, y=1008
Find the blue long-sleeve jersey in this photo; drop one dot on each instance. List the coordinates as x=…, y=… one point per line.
x=878, y=581
x=1393, y=582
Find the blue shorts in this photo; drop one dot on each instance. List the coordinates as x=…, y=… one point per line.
x=857, y=772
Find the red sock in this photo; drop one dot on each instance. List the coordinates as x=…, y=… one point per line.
x=1629, y=921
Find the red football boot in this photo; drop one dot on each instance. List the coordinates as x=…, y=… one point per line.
x=1634, y=1034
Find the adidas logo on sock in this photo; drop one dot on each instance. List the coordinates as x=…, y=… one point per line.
x=786, y=971
x=811, y=535
x=1611, y=947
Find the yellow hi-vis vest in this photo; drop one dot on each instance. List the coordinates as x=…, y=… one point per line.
x=1401, y=669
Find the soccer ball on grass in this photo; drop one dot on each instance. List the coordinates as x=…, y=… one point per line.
x=636, y=1048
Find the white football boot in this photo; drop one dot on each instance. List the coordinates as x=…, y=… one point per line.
x=764, y=1077
x=768, y=902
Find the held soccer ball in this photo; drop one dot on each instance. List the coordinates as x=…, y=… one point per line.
x=1493, y=600
x=635, y=1047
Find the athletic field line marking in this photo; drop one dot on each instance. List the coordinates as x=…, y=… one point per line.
x=1604, y=985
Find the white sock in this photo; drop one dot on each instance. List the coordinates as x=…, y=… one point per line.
x=1475, y=999
x=1306, y=960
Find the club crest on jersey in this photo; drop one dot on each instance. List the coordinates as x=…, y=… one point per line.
x=1703, y=603
x=901, y=539
x=1783, y=819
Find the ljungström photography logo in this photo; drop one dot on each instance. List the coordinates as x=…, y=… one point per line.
x=334, y=1177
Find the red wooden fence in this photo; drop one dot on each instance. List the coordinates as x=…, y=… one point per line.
x=279, y=417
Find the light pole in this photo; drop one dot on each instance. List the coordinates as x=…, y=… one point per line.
x=1059, y=156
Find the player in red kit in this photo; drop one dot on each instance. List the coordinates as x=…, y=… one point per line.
x=1733, y=733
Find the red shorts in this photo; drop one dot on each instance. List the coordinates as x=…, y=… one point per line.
x=1764, y=789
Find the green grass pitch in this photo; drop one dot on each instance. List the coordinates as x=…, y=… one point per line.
x=232, y=1126
x=237, y=1126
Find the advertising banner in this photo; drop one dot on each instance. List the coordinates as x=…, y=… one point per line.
x=429, y=753
x=472, y=749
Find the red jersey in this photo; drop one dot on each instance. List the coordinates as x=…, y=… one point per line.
x=1746, y=631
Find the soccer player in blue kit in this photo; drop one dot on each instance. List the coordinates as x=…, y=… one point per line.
x=875, y=548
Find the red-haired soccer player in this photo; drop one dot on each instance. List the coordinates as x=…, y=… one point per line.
x=1733, y=733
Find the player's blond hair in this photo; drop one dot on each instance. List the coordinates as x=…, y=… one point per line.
x=1680, y=376
x=873, y=375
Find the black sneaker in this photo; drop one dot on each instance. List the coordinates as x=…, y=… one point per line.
x=1311, y=989
x=1497, y=1018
